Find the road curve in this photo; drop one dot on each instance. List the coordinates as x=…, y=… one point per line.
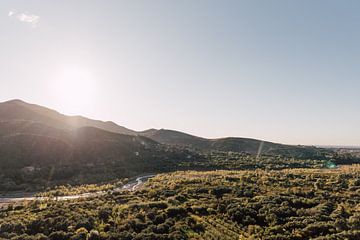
x=137, y=183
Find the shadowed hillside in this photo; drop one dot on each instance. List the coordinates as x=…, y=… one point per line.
x=35, y=154
x=39, y=146
x=26, y=143
x=246, y=145
x=20, y=110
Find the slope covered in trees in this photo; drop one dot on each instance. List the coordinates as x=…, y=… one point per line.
x=287, y=204
x=39, y=147
x=234, y=144
x=33, y=155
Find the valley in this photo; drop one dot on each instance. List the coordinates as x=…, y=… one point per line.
x=179, y=120
x=41, y=148
x=74, y=178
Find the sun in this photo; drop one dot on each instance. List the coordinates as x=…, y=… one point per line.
x=74, y=89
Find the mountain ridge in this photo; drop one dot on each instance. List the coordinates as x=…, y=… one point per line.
x=73, y=149
x=43, y=114
x=17, y=109
x=234, y=144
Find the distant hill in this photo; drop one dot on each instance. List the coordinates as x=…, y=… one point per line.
x=20, y=110
x=246, y=145
x=175, y=137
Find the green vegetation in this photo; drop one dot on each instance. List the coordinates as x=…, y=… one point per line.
x=41, y=148
x=157, y=159
x=257, y=204
x=127, y=161
x=235, y=144
x=217, y=160
x=260, y=190
x=68, y=190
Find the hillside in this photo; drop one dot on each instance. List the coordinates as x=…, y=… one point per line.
x=35, y=154
x=24, y=143
x=39, y=146
x=20, y=110
x=246, y=145
x=228, y=205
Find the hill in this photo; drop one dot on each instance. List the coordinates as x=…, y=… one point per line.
x=39, y=147
x=36, y=154
x=20, y=110
x=24, y=143
x=246, y=145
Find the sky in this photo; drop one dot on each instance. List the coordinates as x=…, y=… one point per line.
x=283, y=71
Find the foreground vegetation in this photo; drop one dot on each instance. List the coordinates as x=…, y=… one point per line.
x=258, y=204
x=217, y=160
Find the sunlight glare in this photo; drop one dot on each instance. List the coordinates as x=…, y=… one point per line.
x=74, y=89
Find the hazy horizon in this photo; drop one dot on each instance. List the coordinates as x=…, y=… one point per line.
x=273, y=71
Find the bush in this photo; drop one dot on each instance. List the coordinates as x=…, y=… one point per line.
x=176, y=212
x=59, y=235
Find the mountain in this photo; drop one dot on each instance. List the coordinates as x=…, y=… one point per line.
x=33, y=154
x=39, y=146
x=246, y=145
x=27, y=143
x=177, y=138
x=20, y=110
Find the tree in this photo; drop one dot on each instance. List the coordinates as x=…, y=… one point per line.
x=220, y=191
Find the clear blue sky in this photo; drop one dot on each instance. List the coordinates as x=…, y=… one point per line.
x=285, y=71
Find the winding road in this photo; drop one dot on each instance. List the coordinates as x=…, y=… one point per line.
x=137, y=183
x=130, y=186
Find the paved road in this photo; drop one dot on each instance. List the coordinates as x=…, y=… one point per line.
x=130, y=186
